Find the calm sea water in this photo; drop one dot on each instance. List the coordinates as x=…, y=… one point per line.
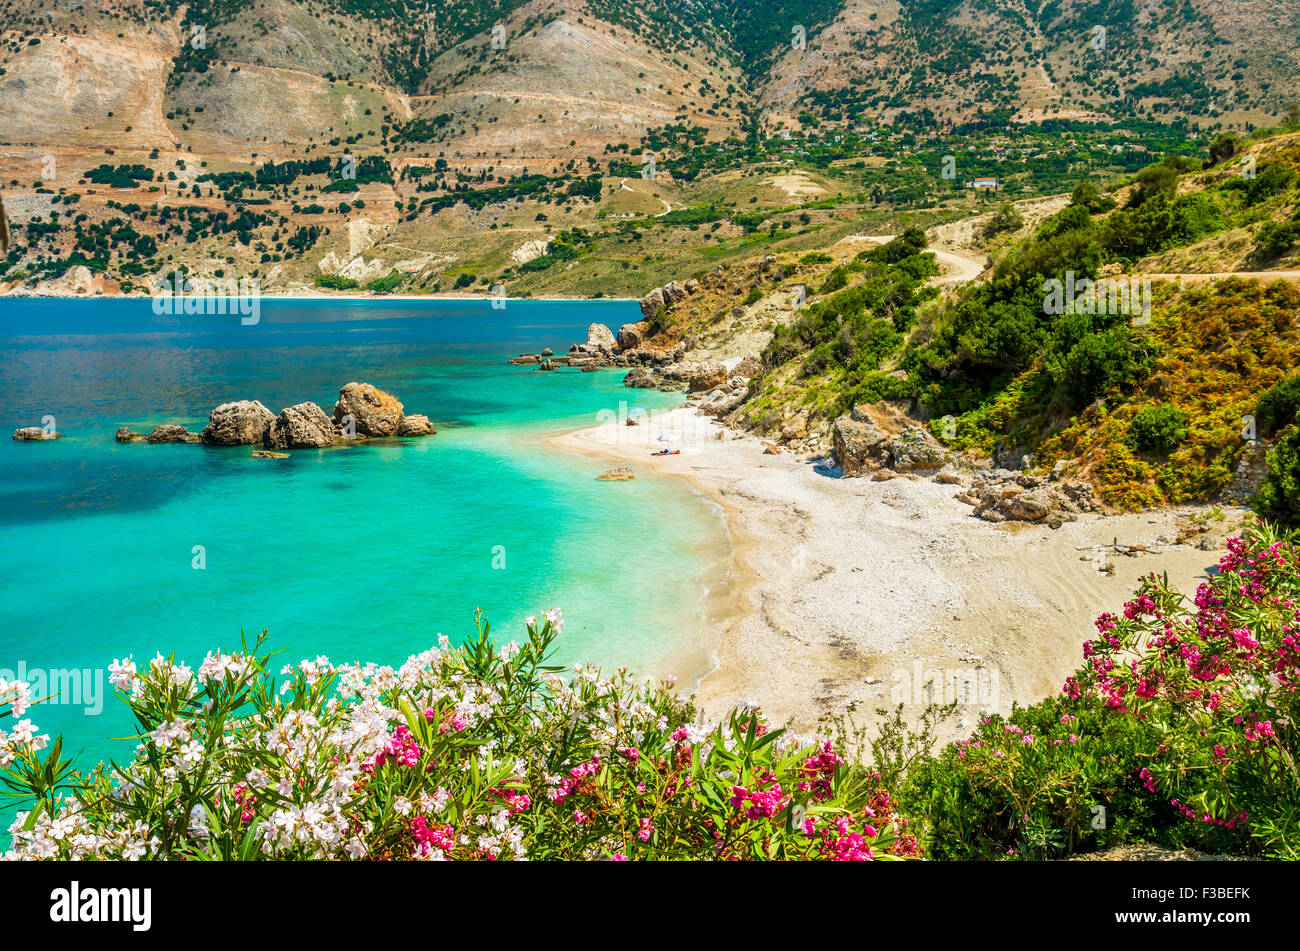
x=365, y=553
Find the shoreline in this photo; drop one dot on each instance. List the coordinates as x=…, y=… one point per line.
x=852, y=593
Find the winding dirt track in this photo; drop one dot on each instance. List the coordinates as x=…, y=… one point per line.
x=958, y=268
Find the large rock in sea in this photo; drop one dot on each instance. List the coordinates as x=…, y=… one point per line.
x=304, y=426
x=374, y=412
x=415, y=425
x=600, y=338
x=241, y=423
x=631, y=336
x=653, y=302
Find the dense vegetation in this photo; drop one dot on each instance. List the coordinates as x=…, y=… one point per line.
x=1154, y=407
x=840, y=343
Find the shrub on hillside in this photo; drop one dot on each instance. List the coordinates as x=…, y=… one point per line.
x=1278, y=497
x=1158, y=429
x=1279, y=405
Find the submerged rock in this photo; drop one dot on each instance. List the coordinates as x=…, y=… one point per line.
x=171, y=433
x=374, y=412
x=241, y=423
x=304, y=426
x=617, y=474
x=268, y=454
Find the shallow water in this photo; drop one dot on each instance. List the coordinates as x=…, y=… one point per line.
x=365, y=552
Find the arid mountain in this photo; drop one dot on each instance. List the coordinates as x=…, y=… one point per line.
x=509, y=83
x=956, y=59
x=582, y=146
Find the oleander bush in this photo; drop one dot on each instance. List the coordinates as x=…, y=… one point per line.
x=1178, y=730
x=460, y=753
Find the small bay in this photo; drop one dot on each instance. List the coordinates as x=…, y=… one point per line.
x=362, y=553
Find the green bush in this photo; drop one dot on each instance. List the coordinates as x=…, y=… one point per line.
x=335, y=282
x=1279, y=496
x=1179, y=730
x=1005, y=218
x=1158, y=429
x=386, y=284
x=1278, y=405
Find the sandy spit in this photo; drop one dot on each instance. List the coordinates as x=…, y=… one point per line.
x=848, y=591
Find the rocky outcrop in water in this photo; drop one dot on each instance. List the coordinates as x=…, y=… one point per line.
x=415, y=425
x=171, y=433
x=304, y=426
x=600, y=339
x=34, y=434
x=373, y=412
x=241, y=423
x=634, y=345
x=362, y=411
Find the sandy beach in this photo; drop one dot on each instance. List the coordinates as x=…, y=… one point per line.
x=848, y=591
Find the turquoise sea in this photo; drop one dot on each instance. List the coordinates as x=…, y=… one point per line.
x=363, y=553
